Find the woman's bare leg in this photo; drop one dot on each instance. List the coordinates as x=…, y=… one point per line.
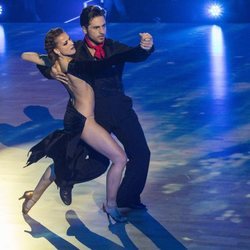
x=47, y=178
x=98, y=138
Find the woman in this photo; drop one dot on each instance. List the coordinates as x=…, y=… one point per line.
x=79, y=123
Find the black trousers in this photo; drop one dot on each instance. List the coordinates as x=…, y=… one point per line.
x=114, y=112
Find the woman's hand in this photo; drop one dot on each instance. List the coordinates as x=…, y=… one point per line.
x=57, y=73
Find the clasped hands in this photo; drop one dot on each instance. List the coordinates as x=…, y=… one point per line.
x=146, y=41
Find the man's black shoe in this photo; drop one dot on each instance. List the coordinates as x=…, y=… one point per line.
x=66, y=195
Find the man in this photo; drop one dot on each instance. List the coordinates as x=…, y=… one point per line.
x=113, y=109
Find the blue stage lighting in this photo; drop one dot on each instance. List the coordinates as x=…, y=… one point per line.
x=215, y=10
x=1, y=9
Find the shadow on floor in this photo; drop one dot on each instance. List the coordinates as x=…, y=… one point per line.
x=143, y=221
x=41, y=123
x=39, y=231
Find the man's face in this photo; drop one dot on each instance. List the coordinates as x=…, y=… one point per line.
x=96, y=30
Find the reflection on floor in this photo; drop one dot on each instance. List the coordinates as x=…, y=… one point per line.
x=192, y=97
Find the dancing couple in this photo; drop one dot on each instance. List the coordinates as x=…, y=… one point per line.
x=91, y=71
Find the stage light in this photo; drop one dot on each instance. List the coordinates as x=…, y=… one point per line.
x=2, y=39
x=218, y=61
x=92, y=2
x=85, y=4
x=215, y=10
x=1, y=9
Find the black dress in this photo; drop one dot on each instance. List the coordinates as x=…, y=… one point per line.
x=74, y=160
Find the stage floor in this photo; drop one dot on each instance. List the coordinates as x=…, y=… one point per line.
x=193, y=100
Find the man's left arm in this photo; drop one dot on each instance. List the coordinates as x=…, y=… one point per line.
x=139, y=53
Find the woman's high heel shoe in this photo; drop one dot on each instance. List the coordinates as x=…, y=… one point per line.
x=28, y=202
x=114, y=214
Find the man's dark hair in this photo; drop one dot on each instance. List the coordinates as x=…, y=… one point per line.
x=89, y=13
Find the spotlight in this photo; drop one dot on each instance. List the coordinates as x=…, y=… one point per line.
x=1, y=9
x=215, y=10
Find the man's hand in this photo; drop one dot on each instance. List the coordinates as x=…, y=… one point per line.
x=58, y=74
x=146, y=41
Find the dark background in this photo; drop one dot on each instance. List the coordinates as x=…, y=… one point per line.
x=137, y=10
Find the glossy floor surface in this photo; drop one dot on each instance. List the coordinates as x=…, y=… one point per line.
x=193, y=99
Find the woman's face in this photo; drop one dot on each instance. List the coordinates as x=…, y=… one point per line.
x=65, y=45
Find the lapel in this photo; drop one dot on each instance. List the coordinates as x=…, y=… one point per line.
x=107, y=48
x=82, y=52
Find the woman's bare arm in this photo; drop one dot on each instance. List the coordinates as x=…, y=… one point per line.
x=33, y=57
